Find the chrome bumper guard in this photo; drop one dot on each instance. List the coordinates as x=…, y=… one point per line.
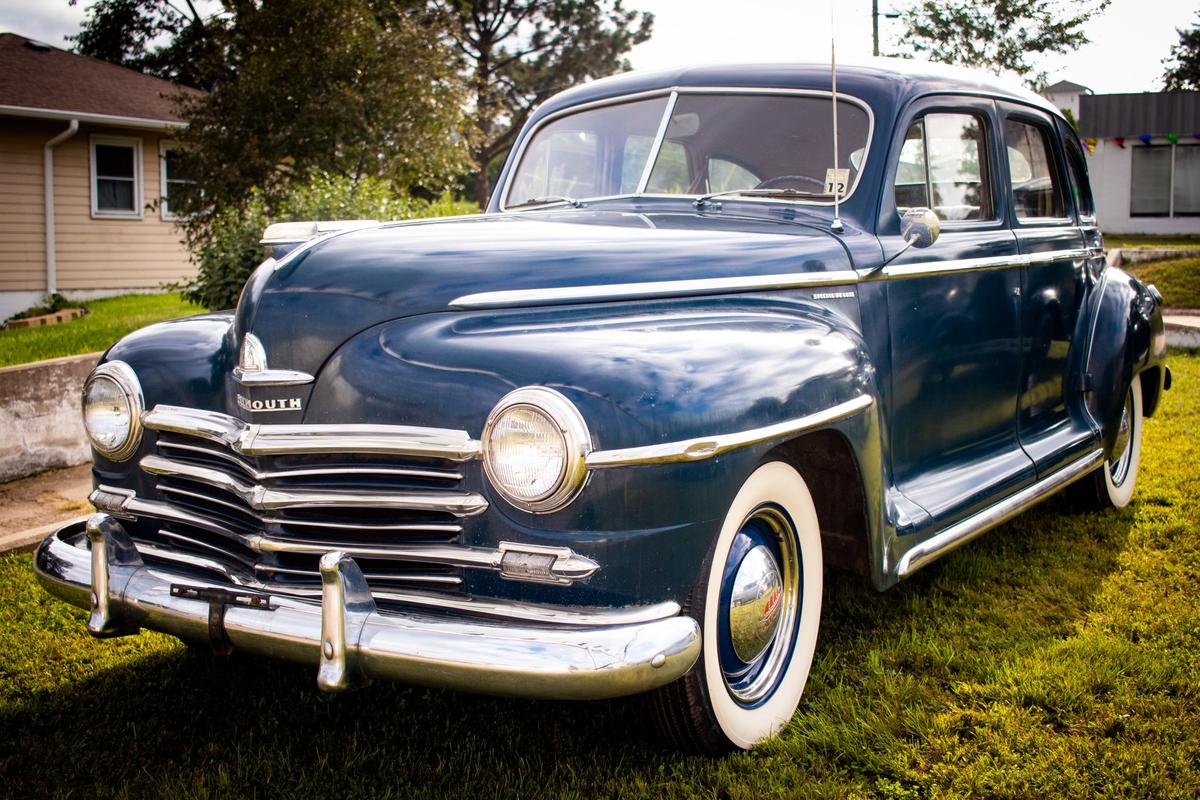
x=349, y=639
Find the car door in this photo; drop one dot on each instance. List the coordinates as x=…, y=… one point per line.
x=1051, y=424
x=954, y=315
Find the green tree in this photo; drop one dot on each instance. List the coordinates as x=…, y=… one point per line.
x=1182, y=68
x=349, y=88
x=998, y=34
x=516, y=53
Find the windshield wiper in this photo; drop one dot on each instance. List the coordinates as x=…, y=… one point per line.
x=707, y=198
x=547, y=200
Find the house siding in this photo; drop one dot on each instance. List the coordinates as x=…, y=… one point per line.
x=22, y=215
x=112, y=253
x=92, y=255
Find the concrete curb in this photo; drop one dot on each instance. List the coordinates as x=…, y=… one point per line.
x=39, y=415
x=31, y=537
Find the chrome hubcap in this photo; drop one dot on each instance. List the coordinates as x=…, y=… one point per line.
x=1118, y=465
x=760, y=605
x=754, y=605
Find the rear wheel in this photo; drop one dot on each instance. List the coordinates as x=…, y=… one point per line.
x=759, y=606
x=1112, y=485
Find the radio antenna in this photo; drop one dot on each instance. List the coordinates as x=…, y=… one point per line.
x=836, y=226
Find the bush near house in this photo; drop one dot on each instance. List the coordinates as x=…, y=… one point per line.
x=1058, y=656
x=228, y=250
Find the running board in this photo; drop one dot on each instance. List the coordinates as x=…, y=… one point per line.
x=962, y=532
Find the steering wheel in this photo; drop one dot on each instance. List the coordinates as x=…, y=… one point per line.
x=798, y=182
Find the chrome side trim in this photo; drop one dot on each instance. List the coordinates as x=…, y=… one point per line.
x=609, y=655
x=962, y=532
x=249, y=439
x=262, y=498
x=923, y=268
x=699, y=449
x=509, y=298
x=640, y=291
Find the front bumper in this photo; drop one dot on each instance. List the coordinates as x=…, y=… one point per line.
x=95, y=566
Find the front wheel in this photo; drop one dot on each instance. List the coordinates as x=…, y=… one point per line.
x=1112, y=485
x=759, y=605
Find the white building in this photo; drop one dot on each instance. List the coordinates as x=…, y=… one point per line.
x=1145, y=157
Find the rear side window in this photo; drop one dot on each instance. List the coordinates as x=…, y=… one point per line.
x=1035, y=187
x=1080, y=186
x=943, y=165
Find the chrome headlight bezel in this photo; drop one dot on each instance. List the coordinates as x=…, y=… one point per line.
x=125, y=379
x=576, y=440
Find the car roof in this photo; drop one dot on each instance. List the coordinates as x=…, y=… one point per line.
x=877, y=81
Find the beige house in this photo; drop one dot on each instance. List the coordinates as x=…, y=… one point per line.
x=85, y=177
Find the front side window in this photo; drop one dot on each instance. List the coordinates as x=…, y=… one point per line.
x=116, y=177
x=943, y=166
x=1035, y=188
x=713, y=142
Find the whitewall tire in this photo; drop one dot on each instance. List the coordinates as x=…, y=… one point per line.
x=758, y=601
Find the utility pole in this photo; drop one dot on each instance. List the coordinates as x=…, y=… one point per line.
x=875, y=24
x=875, y=27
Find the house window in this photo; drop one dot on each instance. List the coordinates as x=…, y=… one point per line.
x=174, y=177
x=1150, y=191
x=116, y=177
x=1165, y=181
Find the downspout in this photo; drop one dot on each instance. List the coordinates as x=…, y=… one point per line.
x=48, y=193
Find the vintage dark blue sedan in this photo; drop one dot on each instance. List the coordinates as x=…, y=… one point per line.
x=607, y=438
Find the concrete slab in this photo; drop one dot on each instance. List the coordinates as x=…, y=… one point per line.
x=32, y=507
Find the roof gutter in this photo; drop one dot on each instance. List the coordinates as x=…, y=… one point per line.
x=99, y=119
x=48, y=194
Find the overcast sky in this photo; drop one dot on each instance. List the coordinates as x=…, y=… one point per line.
x=1129, y=40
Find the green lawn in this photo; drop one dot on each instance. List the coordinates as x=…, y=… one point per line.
x=1114, y=240
x=1058, y=656
x=110, y=319
x=1178, y=280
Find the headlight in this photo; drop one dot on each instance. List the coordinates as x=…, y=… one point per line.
x=534, y=445
x=112, y=410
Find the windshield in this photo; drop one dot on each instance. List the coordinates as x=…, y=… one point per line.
x=713, y=142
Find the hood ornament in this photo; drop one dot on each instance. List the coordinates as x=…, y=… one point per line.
x=252, y=367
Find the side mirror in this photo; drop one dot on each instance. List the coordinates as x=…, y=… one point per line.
x=920, y=227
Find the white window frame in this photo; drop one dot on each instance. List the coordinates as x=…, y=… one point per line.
x=164, y=209
x=138, y=196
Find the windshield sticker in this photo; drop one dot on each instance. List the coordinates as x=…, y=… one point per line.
x=836, y=180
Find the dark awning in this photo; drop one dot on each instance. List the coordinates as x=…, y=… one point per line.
x=1105, y=116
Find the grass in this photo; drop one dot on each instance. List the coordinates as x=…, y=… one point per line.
x=110, y=319
x=1138, y=240
x=1178, y=280
x=1058, y=656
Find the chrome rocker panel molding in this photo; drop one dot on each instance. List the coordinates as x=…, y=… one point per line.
x=350, y=640
x=960, y=533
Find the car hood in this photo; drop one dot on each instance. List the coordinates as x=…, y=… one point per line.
x=310, y=303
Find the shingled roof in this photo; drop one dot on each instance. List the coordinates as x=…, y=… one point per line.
x=39, y=77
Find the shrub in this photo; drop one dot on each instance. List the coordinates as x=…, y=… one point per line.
x=227, y=250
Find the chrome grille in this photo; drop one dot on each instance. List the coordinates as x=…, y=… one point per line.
x=261, y=504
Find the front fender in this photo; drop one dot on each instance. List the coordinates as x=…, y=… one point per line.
x=1128, y=337
x=640, y=375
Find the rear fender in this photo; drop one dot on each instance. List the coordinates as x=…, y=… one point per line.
x=1128, y=338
